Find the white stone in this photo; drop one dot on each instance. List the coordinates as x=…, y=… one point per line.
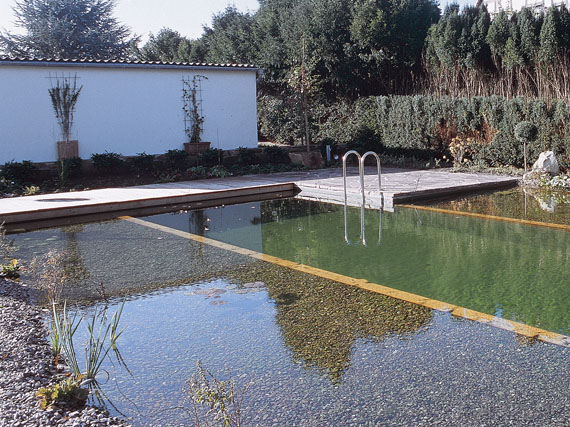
x=547, y=162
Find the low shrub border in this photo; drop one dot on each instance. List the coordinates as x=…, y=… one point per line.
x=112, y=169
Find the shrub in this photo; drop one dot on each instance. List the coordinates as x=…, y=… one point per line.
x=219, y=172
x=107, y=163
x=197, y=172
x=526, y=131
x=211, y=157
x=277, y=121
x=364, y=140
x=429, y=126
x=142, y=163
x=276, y=154
x=69, y=168
x=178, y=160
x=247, y=156
x=21, y=173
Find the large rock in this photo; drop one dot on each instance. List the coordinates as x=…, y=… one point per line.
x=547, y=162
x=312, y=160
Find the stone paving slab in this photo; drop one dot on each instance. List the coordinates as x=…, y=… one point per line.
x=398, y=185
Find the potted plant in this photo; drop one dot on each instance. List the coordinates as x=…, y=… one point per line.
x=193, y=118
x=64, y=97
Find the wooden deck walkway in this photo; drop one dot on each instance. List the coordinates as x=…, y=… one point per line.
x=398, y=186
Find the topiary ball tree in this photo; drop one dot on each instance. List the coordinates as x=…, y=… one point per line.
x=525, y=132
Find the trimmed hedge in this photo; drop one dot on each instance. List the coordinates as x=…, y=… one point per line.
x=482, y=127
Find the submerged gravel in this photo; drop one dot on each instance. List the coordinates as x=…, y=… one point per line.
x=25, y=366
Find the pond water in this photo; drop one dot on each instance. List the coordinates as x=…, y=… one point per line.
x=317, y=352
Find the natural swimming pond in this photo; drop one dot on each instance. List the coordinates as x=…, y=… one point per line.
x=318, y=352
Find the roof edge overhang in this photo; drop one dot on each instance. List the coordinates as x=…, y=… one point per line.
x=41, y=62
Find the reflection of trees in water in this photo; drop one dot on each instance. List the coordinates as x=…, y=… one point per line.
x=73, y=263
x=534, y=204
x=197, y=222
x=321, y=319
x=275, y=210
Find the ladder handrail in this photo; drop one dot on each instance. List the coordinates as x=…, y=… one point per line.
x=344, y=158
x=361, y=160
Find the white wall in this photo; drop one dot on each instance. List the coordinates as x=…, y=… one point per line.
x=123, y=110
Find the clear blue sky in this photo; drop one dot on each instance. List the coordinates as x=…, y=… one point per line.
x=144, y=16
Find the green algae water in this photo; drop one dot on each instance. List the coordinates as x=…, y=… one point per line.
x=316, y=352
x=527, y=204
x=514, y=271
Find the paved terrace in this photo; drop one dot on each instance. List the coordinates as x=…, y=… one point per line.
x=398, y=186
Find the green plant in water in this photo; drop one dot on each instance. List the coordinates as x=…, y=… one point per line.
x=65, y=393
x=63, y=328
x=103, y=336
x=215, y=400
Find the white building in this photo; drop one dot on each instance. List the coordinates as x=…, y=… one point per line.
x=123, y=107
x=495, y=6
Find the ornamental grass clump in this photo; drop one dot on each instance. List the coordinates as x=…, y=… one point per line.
x=103, y=335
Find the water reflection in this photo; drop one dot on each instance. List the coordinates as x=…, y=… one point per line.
x=531, y=204
x=321, y=320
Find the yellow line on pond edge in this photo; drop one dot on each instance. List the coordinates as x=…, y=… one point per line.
x=492, y=217
x=519, y=328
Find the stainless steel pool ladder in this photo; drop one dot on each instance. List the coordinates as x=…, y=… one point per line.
x=361, y=160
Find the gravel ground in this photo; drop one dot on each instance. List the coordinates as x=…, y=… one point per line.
x=25, y=366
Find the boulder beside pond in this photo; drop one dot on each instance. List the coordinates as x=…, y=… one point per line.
x=547, y=162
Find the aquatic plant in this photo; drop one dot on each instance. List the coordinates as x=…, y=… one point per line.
x=63, y=328
x=221, y=400
x=65, y=393
x=103, y=336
